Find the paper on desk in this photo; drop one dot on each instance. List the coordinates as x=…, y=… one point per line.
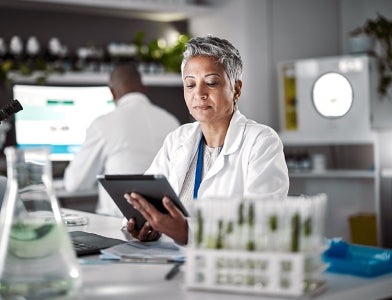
x=158, y=251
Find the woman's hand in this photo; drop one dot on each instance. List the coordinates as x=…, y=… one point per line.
x=145, y=234
x=172, y=224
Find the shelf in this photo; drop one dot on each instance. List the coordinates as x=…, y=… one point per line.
x=155, y=10
x=298, y=139
x=365, y=174
x=386, y=173
x=168, y=79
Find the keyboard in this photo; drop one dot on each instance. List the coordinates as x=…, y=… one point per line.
x=86, y=243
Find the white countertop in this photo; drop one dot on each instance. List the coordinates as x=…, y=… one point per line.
x=146, y=281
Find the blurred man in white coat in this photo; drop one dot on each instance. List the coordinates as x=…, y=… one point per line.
x=124, y=141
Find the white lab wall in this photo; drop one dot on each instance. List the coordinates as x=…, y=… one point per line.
x=245, y=24
x=268, y=31
x=294, y=34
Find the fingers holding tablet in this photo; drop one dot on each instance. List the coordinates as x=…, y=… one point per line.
x=149, y=191
x=145, y=234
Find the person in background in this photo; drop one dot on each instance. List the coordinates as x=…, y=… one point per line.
x=123, y=141
x=222, y=154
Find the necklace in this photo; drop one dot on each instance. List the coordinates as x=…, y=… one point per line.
x=212, y=150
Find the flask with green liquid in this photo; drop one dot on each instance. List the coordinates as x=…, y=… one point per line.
x=37, y=260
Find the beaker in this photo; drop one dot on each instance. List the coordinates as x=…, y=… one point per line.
x=37, y=260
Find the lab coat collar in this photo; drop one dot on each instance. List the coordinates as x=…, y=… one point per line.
x=188, y=147
x=132, y=98
x=185, y=152
x=234, y=133
x=233, y=137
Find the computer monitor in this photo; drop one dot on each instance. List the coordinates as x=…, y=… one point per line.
x=58, y=116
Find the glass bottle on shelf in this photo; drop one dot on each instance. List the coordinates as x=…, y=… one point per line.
x=16, y=46
x=3, y=48
x=37, y=260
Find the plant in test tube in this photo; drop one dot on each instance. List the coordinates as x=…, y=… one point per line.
x=199, y=229
x=295, y=230
x=273, y=222
x=229, y=229
x=241, y=220
x=219, y=238
x=251, y=222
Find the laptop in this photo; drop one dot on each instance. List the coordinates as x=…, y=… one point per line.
x=87, y=243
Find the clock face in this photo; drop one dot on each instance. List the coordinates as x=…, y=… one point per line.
x=332, y=95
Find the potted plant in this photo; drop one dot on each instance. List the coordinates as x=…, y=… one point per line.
x=380, y=30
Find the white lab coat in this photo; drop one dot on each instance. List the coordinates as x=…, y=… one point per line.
x=124, y=141
x=251, y=163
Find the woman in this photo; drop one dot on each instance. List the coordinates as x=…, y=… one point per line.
x=222, y=154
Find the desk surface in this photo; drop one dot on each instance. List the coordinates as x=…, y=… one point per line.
x=146, y=281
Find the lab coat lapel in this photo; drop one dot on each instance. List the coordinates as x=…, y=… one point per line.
x=185, y=154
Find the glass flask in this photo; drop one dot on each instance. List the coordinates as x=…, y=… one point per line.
x=37, y=260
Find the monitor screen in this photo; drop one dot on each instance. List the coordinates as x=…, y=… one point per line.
x=58, y=116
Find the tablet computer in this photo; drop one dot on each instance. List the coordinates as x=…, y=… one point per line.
x=152, y=187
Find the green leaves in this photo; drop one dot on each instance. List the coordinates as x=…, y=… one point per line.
x=381, y=30
x=158, y=50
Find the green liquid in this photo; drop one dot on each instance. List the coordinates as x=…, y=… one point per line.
x=39, y=264
x=31, y=240
x=44, y=289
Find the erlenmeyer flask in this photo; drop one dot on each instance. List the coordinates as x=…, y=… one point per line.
x=37, y=260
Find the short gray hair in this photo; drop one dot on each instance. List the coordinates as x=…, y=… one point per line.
x=221, y=49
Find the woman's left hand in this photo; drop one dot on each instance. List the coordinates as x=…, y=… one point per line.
x=145, y=234
x=173, y=224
